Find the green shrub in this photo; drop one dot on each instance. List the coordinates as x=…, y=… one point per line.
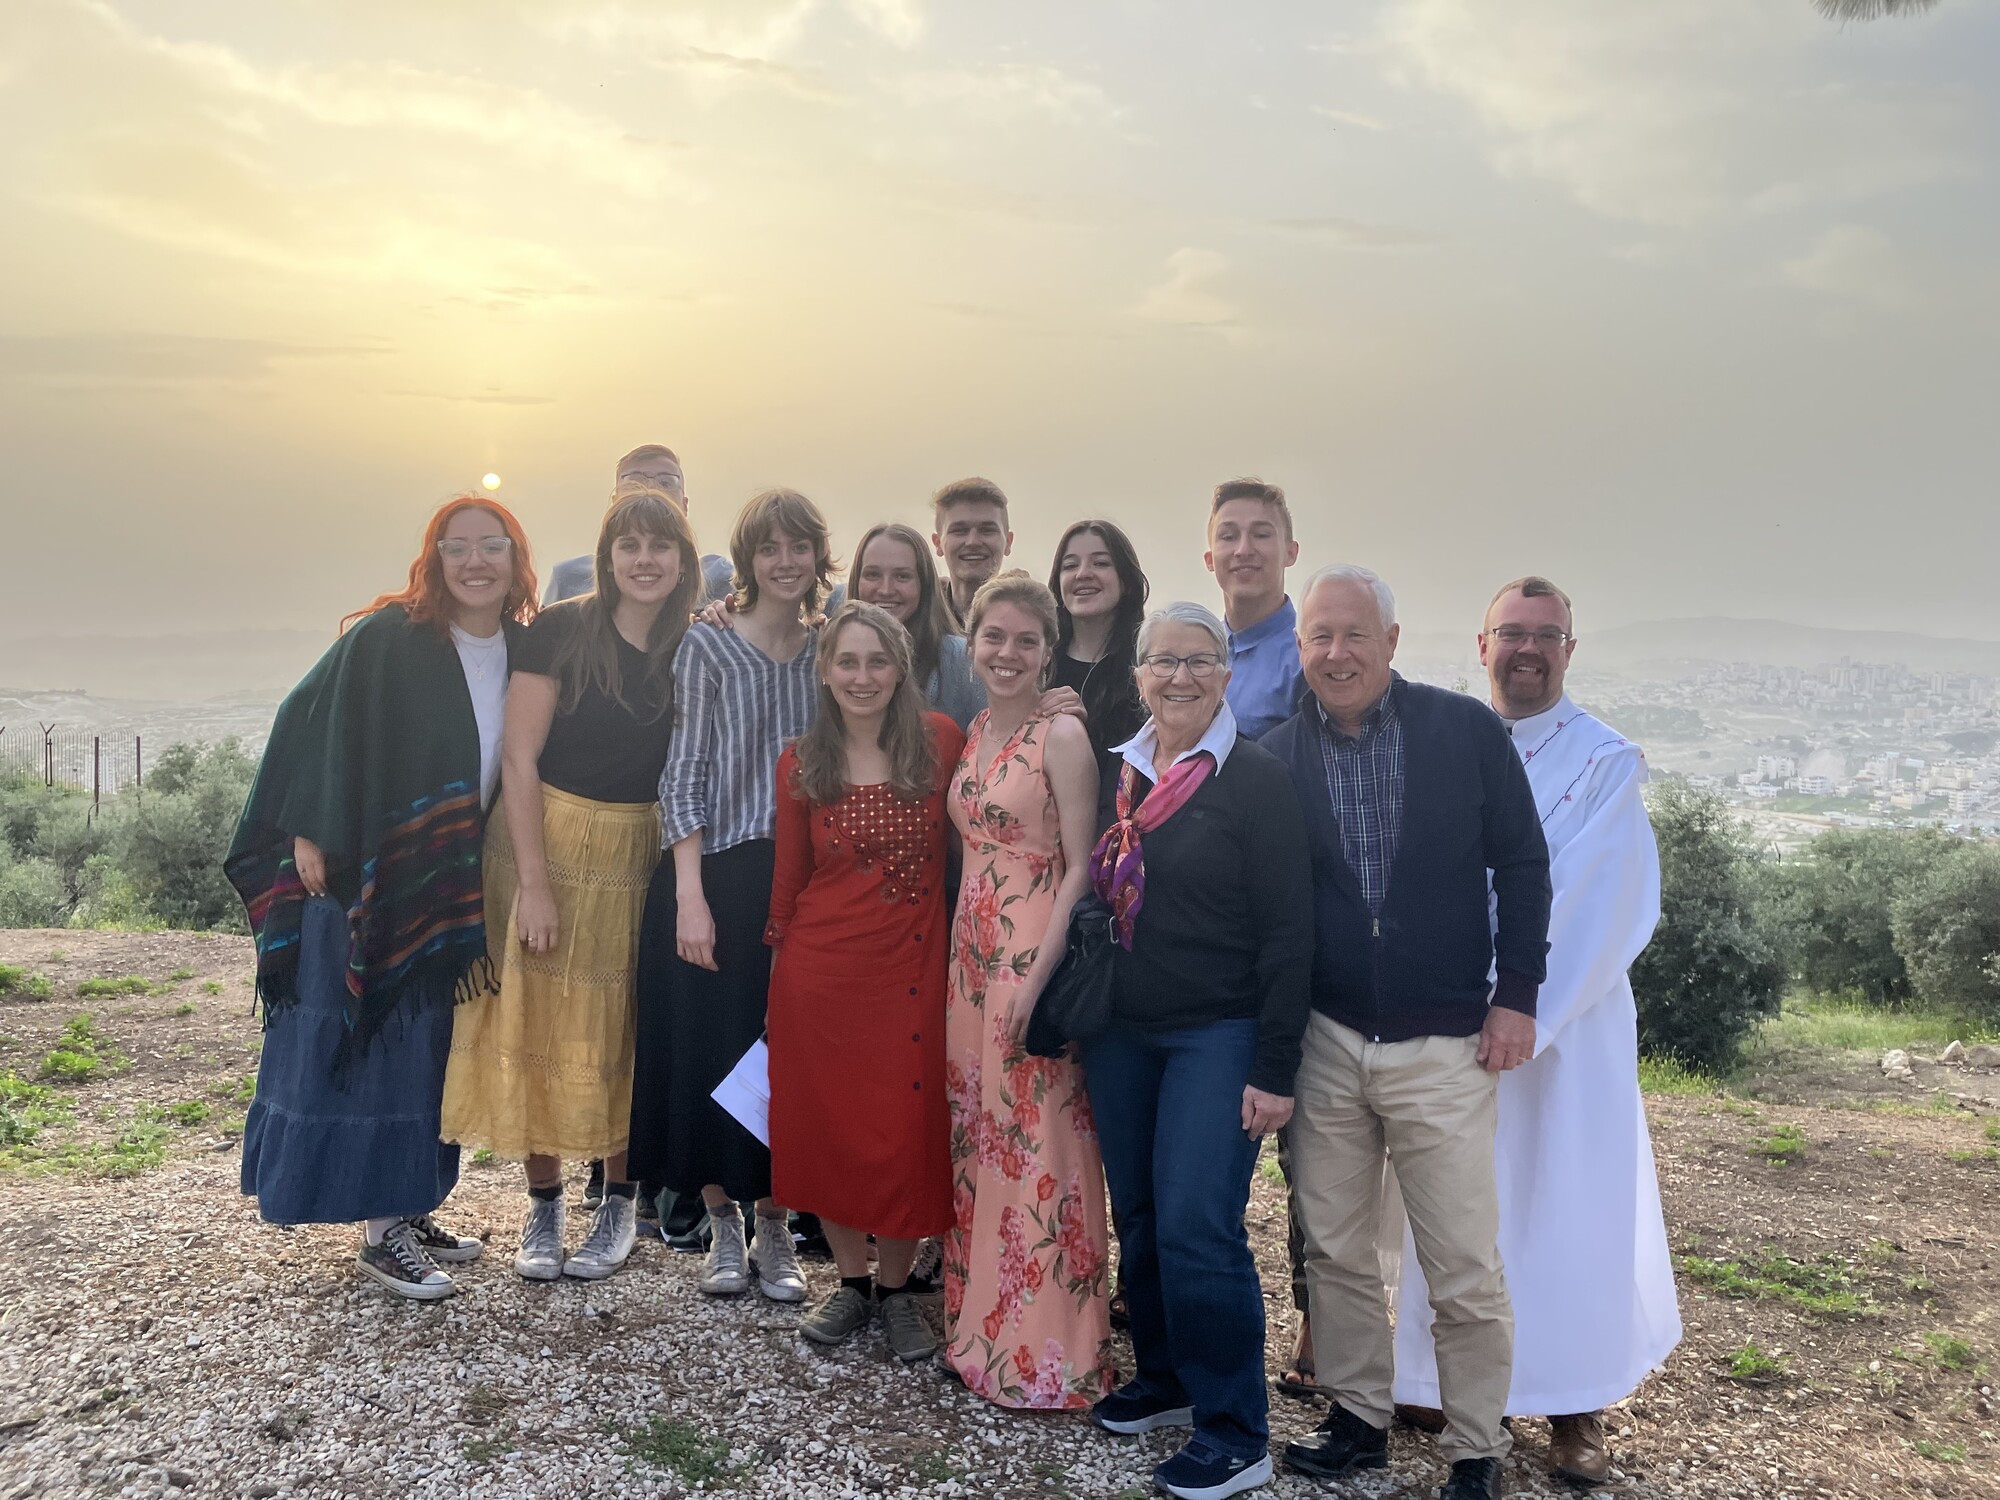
x=1838, y=903
x=1948, y=931
x=1711, y=970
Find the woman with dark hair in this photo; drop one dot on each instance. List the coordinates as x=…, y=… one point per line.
x=1100, y=594
x=860, y=1132
x=542, y=1069
x=740, y=696
x=357, y=858
x=893, y=568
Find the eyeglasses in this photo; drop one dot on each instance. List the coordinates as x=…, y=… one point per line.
x=1550, y=639
x=492, y=548
x=1202, y=664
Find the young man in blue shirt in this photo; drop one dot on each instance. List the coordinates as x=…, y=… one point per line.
x=1250, y=544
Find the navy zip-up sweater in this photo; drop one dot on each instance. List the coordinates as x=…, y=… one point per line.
x=1421, y=968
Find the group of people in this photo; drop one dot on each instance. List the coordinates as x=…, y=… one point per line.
x=539, y=878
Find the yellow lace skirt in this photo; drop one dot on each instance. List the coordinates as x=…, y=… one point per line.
x=544, y=1067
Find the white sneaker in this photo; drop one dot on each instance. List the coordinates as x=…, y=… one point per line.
x=775, y=1259
x=722, y=1269
x=612, y=1235
x=540, y=1257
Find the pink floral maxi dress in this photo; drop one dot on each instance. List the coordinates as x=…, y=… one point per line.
x=1026, y=1302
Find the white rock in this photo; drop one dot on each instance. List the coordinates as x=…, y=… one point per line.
x=1954, y=1053
x=1896, y=1064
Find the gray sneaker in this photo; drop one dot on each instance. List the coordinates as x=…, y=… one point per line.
x=540, y=1257
x=911, y=1337
x=775, y=1259
x=722, y=1269
x=442, y=1244
x=612, y=1234
x=400, y=1264
x=837, y=1319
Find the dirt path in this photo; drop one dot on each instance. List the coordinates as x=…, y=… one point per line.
x=156, y=1339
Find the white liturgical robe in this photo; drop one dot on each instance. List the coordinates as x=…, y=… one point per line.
x=1581, y=1234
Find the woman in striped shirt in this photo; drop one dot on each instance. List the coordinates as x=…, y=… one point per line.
x=740, y=695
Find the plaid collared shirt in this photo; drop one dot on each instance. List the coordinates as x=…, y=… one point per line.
x=1364, y=777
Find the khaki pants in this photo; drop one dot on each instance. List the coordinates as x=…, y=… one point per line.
x=1429, y=1103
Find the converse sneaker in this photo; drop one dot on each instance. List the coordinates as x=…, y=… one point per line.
x=837, y=1319
x=540, y=1257
x=612, y=1235
x=775, y=1259
x=440, y=1243
x=722, y=1270
x=400, y=1264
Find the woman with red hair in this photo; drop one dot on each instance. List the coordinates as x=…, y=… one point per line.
x=358, y=860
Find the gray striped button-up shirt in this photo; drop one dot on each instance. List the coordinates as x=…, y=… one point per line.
x=1364, y=776
x=735, y=710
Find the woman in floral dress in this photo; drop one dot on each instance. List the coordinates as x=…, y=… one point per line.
x=1026, y=1294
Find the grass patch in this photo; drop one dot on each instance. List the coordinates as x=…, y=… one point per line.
x=187, y=1114
x=1826, y=1023
x=1669, y=1075
x=1948, y=1351
x=1823, y=1288
x=81, y=1053
x=1978, y=1155
x=679, y=1448
x=181, y=976
x=234, y=1090
x=483, y=1157
x=211, y=986
x=933, y=1467
x=1944, y=1453
x=488, y=1446
x=141, y=1147
x=18, y=981
x=125, y=984
x=1753, y=1365
x=1783, y=1146
x=186, y=1008
x=26, y=1110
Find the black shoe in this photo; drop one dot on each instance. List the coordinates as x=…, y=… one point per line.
x=1473, y=1479
x=649, y=1203
x=684, y=1223
x=1343, y=1442
x=593, y=1190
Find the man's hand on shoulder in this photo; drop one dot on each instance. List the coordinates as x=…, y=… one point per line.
x=1506, y=1040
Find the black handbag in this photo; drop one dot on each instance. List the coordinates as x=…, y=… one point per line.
x=1076, y=1004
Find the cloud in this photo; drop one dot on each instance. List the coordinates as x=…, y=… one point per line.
x=1673, y=114
x=727, y=70
x=1189, y=296
x=477, y=398
x=152, y=359
x=1347, y=117
x=1006, y=93
x=1353, y=234
x=900, y=21
x=1855, y=264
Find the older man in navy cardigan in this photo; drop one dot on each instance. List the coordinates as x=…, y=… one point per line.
x=1431, y=909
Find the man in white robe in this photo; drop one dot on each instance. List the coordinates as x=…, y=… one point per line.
x=1581, y=1233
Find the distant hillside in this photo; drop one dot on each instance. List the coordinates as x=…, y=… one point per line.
x=252, y=665
x=1776, y=643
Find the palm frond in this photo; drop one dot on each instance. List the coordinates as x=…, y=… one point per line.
x=1871, y=10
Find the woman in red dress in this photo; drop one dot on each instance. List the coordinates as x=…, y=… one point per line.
x=860, y=1128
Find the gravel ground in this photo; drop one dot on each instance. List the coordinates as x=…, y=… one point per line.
x=157, y=1339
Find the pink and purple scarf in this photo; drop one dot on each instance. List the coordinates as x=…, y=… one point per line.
x=1118, y=863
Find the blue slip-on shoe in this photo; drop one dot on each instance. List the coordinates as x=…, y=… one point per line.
x=1134, y=1408
x=1202, y=1471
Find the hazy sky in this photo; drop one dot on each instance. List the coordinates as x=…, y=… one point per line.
x=1693, y=304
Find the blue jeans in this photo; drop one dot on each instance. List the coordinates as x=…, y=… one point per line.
x=1169, y=1111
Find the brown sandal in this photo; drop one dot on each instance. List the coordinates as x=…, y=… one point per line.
x=1300, y=1380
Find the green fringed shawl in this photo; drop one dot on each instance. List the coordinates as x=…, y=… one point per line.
x=374, y=757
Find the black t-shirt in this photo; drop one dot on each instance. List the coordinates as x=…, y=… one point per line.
x=599, y=749
x=1110, y=698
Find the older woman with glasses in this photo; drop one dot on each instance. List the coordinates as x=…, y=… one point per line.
x=1205, y=868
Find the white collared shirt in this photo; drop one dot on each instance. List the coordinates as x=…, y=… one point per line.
x=1529, y=733
x=1218, y=740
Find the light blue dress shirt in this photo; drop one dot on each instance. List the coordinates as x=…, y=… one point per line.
x=1264, y=677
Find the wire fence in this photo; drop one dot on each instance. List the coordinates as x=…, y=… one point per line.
x=101, y=762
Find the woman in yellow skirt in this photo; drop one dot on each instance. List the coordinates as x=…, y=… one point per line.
x=541, y=1070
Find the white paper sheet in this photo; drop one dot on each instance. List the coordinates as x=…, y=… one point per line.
x=746, y=1092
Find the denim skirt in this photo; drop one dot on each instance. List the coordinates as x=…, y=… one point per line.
x=321, y=1151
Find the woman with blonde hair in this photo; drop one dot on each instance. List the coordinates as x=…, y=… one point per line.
x=542, y=1069
x=357, y=858
x=860, y=1133
x=740, y=696
x=1026, y=1305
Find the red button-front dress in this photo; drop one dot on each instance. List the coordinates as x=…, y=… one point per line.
x=860, y=1125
